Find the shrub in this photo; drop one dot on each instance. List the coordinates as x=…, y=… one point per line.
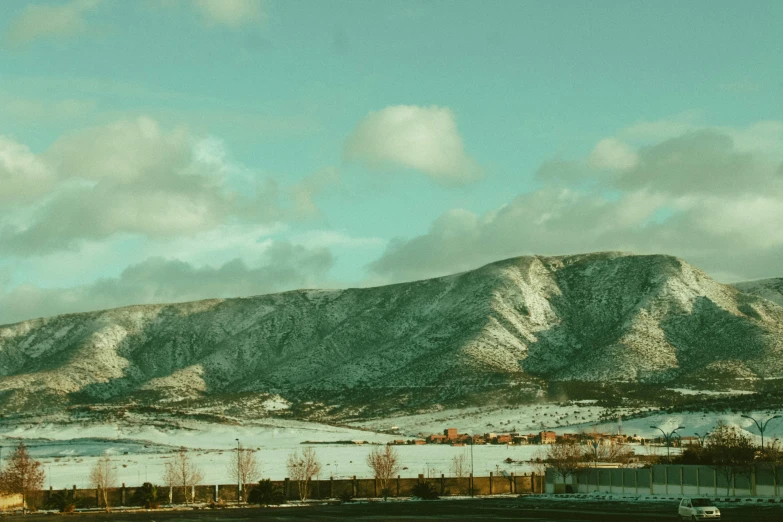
x=424, y=491
x=147, y=496
x=266, y=493
x=345, y=496
x=62, y=501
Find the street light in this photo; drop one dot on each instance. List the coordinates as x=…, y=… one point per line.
x=761, y=425
x=702, y=438
x=595, y=445
x=668, y=438
x=471, y=465
x=239, y=476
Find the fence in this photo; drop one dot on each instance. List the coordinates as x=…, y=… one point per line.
x=318, y=489
x=756, y=481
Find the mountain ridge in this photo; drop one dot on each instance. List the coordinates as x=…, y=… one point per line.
x=514, y=324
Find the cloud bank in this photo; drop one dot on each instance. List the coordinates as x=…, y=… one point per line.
x=158, y=280
x=713, y=196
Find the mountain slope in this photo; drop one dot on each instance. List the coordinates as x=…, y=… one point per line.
x=513, y=324
x=771, y=289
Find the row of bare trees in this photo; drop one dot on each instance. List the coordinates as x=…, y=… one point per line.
x=24, y=475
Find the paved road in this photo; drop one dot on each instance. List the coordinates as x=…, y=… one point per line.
x=483, y=509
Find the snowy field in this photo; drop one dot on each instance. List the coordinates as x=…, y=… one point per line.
x=68, y=451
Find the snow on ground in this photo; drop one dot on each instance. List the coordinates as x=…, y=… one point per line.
x=337, y=460
x=68, y=451
x=690, y=391
x=696, y=422
x=524, y=419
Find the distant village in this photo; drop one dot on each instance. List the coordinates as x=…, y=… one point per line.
x=452, y=437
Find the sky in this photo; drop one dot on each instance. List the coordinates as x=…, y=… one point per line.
x=171, y=150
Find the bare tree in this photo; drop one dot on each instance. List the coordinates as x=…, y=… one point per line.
x=730, y=452
x=615, y=452
x=565, y=458
x=459, y=468
x=385, y=463
x=103, y=476
x=244, y=468
x=182, y=472
x=459, y=465
x=302, y=468
x=771, y=460
x=23, y=475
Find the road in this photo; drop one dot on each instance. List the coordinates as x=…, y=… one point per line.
x=481, y=509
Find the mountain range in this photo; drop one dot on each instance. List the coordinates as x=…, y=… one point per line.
x=509, y=327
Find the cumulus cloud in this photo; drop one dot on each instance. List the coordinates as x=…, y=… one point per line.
x=705, y=196
x=23, y=175
x=613, y=154
x=420, y=138
x=50, y=20
x=231, y=13
x=283, y=266
x=132, y=177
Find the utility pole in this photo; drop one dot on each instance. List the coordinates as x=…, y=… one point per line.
x=239, y=475
x=761, y=425
x=471, y=465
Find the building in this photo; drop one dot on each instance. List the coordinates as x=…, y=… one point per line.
x=451, y=433
x=546, y=437
x=437, y=438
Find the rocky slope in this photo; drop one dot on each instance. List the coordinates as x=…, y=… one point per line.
x=771, y=289
x=510, y=325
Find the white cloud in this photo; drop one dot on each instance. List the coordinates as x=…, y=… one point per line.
x=613, y=154
x=134, y=177
x=421, y=138
x=53, y=20
x=23, y=175
x=702, y=196
x=231, y=13
x=282, y=266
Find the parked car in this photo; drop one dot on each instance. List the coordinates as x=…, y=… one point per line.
x=698, y=509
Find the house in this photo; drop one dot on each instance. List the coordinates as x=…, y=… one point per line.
x=546, y=437
x=436, y=438
x=503, y=438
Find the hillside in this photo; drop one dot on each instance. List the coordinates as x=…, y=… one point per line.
x=771, y=289
x=501, y=332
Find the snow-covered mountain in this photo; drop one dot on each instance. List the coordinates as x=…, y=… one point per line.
x=510, y=326
x=771, y=289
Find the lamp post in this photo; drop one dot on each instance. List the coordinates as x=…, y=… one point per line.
x=471, y=465
x=595, y=445
x=702, y=438
x=667, y=436
x=761, y=425
x=239, y=476
x=773, y=444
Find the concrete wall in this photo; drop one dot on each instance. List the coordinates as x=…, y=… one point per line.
x=670, y=480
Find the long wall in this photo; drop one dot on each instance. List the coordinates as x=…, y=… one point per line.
x=760, y=481
x=319, y=489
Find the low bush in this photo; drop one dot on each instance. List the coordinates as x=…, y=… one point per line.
x=424, y=491
x=266, y=493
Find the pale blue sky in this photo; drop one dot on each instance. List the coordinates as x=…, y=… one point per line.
x=155, y=150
